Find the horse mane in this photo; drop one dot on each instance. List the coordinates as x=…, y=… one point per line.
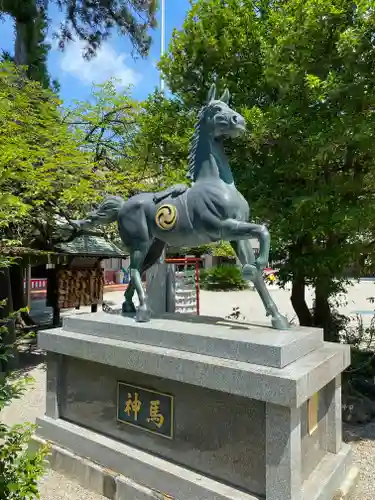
x=192, y=152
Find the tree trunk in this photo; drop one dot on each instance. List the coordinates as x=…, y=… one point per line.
x=9, y=338
x=299, y=303
x=16, y=281
x=322, y=311
x=18, y=293
x=297, y=250
x=30, y=49
x=21, y=56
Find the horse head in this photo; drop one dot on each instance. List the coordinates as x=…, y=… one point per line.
x=219, y=119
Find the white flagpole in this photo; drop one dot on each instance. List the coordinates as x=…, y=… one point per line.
x=162, y=41
x=162, y=83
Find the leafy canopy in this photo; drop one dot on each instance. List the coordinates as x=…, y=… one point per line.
x=160, y=146
x=106, y=124
x=92, y=22
x=44, y=174
x=302, y=74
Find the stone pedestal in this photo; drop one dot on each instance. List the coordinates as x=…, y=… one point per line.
x=160, y=288
x=195, y=408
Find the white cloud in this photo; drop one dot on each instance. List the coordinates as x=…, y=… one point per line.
x=105, y=65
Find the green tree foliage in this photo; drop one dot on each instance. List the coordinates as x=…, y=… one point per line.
x=107, y=121
x=227, y=277
x=133, y=146
x=91, y=22
x=45, y=176
x=131, y=18
x=37, y=67
x=30, y=49
x=107, y=124
x=43, y=172
x=223, y=249
x=219, y=249
x=164, y=128
x=302, y=74
x=20, y=469
x=219, y=41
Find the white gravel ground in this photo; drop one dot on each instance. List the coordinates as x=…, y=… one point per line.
x=362, y=440
x=56, y=487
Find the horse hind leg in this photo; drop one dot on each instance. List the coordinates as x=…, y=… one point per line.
x=128, y=305
x=133, y=229
x=152, y=256
x=137, y=257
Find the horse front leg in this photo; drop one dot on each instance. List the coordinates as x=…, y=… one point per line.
x=128, y=306
x=137, y=257
x=154, y=253
x=234, y=230
x=245, y=254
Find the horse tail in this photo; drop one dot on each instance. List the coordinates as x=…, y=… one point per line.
x=107, y=212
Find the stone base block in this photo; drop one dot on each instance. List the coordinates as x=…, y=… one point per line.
x=164, y=480
x=204, y=409
x=93, y=476
x=212, y=336
x=138, y=467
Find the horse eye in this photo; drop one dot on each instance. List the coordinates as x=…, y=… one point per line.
x=218, y=109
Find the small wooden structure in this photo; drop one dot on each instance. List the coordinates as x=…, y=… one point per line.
x=77, y=278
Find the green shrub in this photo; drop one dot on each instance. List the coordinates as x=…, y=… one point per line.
x=223, y=249
x=218, y=249
x=222, y=278
x=20, y=470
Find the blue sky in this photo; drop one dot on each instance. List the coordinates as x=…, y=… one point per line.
x=114, y=60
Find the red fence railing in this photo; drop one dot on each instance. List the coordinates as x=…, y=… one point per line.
x=37, y=284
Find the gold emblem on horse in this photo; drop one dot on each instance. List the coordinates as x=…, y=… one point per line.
x=166, y=217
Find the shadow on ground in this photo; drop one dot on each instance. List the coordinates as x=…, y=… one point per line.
x=29, y=356
x=357, y=433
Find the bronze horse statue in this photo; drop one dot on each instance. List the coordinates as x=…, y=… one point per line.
x=212, y=209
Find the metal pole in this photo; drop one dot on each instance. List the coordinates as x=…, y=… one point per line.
x=28, y=285
x=162, y=41
x=162, y=83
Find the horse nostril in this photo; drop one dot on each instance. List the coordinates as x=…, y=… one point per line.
x=234, y=119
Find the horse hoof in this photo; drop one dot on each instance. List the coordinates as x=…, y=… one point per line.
x=142, y=315
x=280, y=322
x=128, y=307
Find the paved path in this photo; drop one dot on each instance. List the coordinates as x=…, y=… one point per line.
x=56, y=487
x=222, y=303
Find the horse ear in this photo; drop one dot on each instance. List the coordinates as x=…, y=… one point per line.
x=225, y=97
x=211, y=93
